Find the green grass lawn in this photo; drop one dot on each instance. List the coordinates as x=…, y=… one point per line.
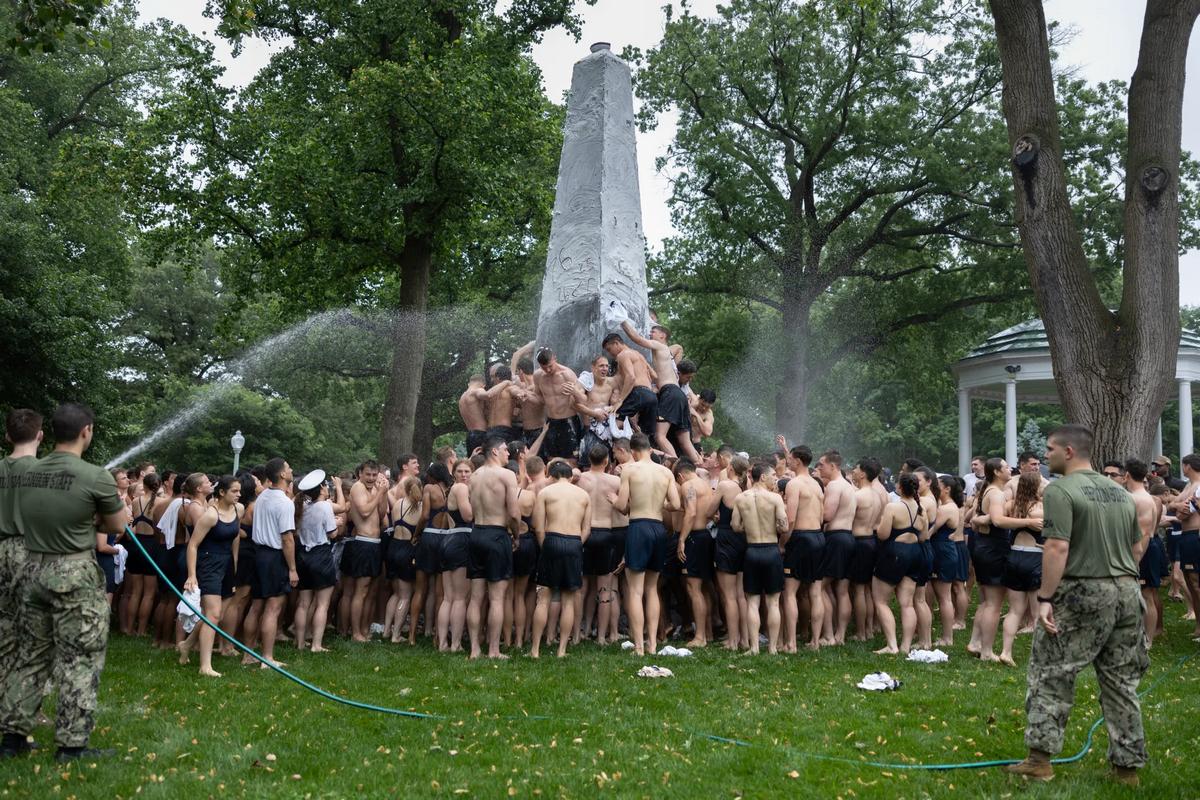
x=252, y=733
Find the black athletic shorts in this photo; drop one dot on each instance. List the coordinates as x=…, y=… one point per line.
x=1189, y=551
x=763, y=571
x=597, y=552
x=398, y=560
x=618, y=547
x=560, y=564
x=562, y=440
x=900, y=560
x=730, y=551
x=526, y=555
x=945, y=560
x=837, y=555
x=214, y=571
x=244, y=574
x=315, y=568
x=802, y=556
x=108, y=564
x=673, y=408
x=490, y=554
x=862, y=563
x=456, y=550
x=698, y=554
x=363, y=558
x=646, y=545
x=173, y=563
x=475, y=439
x=506, y=432
x=1153, y=565
x=529, y=435
x=270, y=574
x=1023, y=570
x=641, y=403
x=138, y=564
x=673, y=567
x=989, y=557
x=428, y=555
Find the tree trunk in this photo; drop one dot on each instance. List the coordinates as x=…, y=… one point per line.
x=423, y=430
x=1113, y=371
x=408, y=353
x=791, y=401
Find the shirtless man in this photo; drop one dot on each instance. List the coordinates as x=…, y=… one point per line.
x=1189, y=540
x=559, y=391
x=760, y=513
x=1149, y=552
x=533, y=411
x=1026, y=462
x=840, y=507
x=646, y=490
x=472, y=407
x=636, y=398
x=493, y=495
x=673, y=425
x=562, y=518
x=695, y=545
x=803, y=548
x=599, y=562
x=867, y=510
x=702, y=416
x=502, y=400
x=363, y=559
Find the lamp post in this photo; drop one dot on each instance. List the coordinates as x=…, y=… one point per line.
x=237, y=442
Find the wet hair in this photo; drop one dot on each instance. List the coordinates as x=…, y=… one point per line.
x=545, y=356
x=492, y=442
x=913, y=464
x=69, y=420
x=1028, y=456
x=1136, y=469
x=621, y=444
x=22, y=425
x=177, y=484
x=193, y=482
x=802, y=453
x=991, y=468
x=598, y=454
x=739, y=467
x=370, y=464
x=411, y=486
x=684, y=465
x=666, y=331
x=274, y=469
x=686, y=367
x=869, y=467
x=260, y=472
x=930, y=476
x=151, y=483
x=525, y=365
x=515, y=448
x=760, y=468
x=438, y=473
x=601, y=357
x=1079, y=438
x=1119, y=466
x=832, y=457
x=534, y=465
x=907, y=486
x=444, y=454
x=476, y=461
x=560, y=469
x=610, y=339
x=118, y=472
x=476, y=379
x=639, y=442
x=503, y=373
x=404, y=458
x=247, y=480
x=954, y=485
x=1026, y=496
x=223, y=484
x=708, y=396
x=1158, y=488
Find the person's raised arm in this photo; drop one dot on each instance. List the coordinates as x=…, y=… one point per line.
x=340, y=505
x=639, y=340
x=536, y=447
x=521, y=353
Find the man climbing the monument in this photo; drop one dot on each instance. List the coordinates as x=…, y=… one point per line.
x=673, y=427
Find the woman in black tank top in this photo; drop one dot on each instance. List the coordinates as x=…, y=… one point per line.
x=141, y=585
x=398, y=560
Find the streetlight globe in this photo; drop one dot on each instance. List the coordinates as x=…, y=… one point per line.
x=237, y=442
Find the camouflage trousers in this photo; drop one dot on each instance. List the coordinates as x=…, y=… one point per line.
x=1100, y=622
x=63, y=632
x=12, y=582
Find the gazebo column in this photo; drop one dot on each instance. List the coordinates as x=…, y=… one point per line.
x=1185, y=418
x=964, y=431
x=1010, y=421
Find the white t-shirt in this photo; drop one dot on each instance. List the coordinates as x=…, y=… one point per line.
x=169, y=522
x=274, y=515
x=970, y=482
x=316, y=524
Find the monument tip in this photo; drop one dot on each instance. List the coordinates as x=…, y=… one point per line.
x=598, y=46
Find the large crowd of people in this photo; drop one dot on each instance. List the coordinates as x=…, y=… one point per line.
x=586, y=507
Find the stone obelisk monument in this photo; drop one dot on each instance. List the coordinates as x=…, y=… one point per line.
x=597, y=248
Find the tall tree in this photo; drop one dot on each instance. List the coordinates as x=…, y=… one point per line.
x=379, y=148
x=821, y=142
x=1114, y=369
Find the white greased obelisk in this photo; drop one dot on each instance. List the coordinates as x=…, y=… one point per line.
x=597, y=246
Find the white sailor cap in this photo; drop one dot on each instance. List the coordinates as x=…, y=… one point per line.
x=312, y=480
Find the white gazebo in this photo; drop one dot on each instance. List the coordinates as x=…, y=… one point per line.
x=1021, y=355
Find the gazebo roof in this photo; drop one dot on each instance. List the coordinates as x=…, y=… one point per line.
x=1030, y=336
x=1025, y=348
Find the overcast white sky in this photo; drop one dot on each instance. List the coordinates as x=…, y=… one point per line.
x=1105, y=47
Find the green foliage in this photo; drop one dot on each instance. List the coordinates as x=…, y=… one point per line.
x=45, y=25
